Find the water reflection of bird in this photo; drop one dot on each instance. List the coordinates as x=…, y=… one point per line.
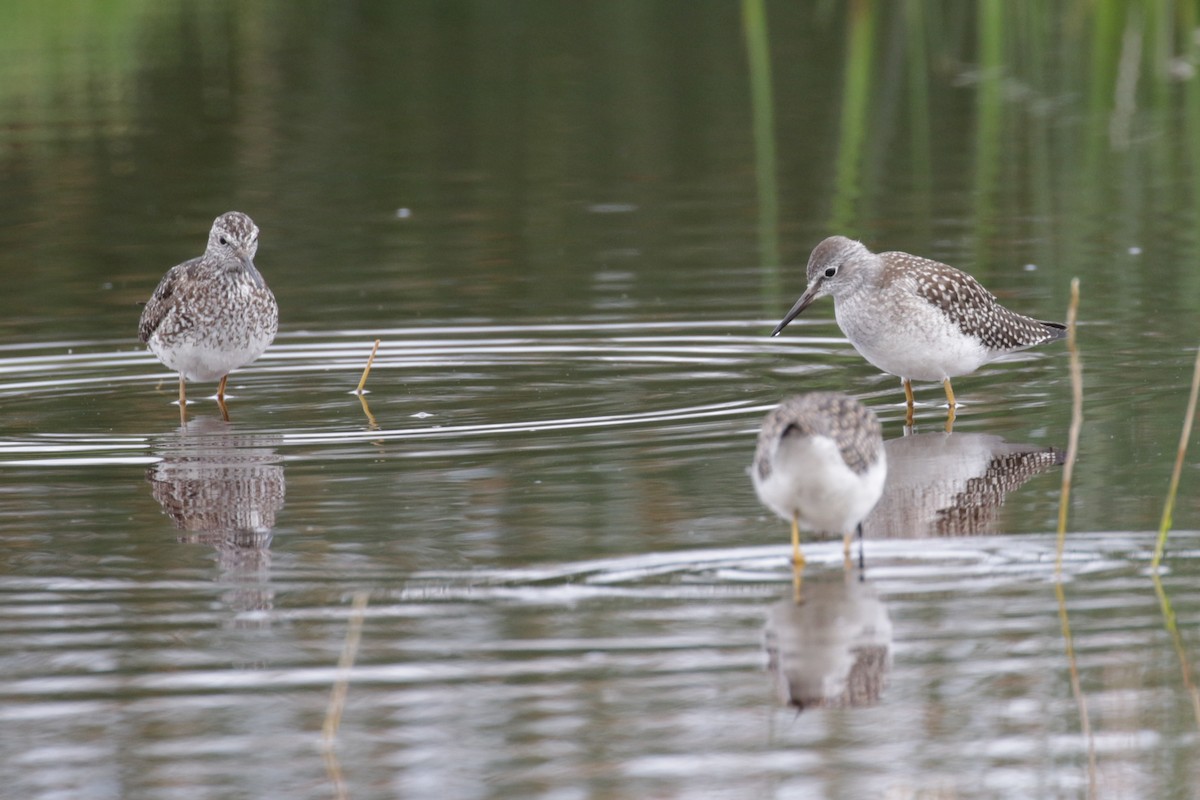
x=913, y=317
x=224, y=488
x=833, y=649
x=820, y=463
x=212, y=314
x=951, y=484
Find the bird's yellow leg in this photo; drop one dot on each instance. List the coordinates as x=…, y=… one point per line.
x=908, y=395
x=797, y=556
x=182, y=401
x=950, y=401
x=221, y=389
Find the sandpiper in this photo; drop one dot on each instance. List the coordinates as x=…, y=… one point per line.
x=913, y=317
x=214, y=313
x=820, y=463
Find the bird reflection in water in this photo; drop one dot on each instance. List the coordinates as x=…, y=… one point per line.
x=834, y=649
x=832, y=646
x=951, y=484
x=224, y=488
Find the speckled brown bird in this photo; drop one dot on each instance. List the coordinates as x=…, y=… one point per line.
x=915, y=318
x=820, y=463
x=215, y=313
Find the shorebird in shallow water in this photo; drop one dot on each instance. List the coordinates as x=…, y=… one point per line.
x=820, y=464
x=212, y=314
x=913, y=317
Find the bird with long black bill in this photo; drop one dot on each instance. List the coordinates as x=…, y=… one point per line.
x=915, y=318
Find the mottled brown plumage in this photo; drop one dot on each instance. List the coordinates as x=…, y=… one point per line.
x=851, y=425
x=215, y=313
x=971, y=308
x=913, y=317
x=819, y=463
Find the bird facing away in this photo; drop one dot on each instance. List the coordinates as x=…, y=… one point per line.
x=915, y=318
x=820, y=463
x=212, y=314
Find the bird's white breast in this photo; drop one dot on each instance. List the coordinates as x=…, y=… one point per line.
x=908, y=337
x=809, y=478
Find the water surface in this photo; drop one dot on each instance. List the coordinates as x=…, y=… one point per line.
x=572, y=230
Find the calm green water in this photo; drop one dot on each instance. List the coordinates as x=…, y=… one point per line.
x=573, y=226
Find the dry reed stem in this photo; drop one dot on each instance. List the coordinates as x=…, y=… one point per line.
x=1064, y=499
x=371, y=423
x=1085, y=724
x=1063, y=505
x=337, y=697
x=367, y=370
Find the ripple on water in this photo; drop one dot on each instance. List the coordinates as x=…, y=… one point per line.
x=460, y=381
x=970, y=616
x=567, y=575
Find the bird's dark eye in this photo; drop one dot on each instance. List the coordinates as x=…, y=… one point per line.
x=830, y=272
x=223, y=240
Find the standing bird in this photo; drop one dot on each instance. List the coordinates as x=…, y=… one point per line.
x=212, y=314
x=913, y=317
x=820, y=462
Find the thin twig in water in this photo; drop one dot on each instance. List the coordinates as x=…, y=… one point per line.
x=371, y=423
x=1077, y=690
x=1184, y=435
x=367, y=370
x=1064, y=499
x=1063, y=504
x=337, y=697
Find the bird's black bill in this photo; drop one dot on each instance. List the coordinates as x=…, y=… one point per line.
x=805, y=300
x=253, y=273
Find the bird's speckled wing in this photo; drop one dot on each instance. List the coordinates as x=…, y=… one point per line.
x=973, y=308
x=851, y=425
x=163, y=301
